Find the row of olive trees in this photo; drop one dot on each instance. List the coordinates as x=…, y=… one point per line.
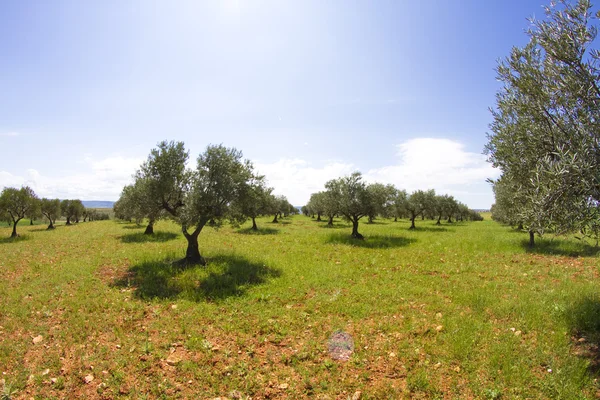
x=354, y=199
x=222, y=187
x=545, y=135
x=16, y=204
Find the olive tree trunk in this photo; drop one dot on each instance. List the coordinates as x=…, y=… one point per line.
x=150, y=228
x=355, y=233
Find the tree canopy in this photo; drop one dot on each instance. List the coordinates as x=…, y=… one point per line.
x=544, y=137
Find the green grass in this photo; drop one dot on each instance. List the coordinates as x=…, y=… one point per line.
x=461, y=310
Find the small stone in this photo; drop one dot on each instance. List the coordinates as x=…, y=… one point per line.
x=439, y=328
x=105, y=372
x=517, y=333
x=392, y=354
x=436, y=366
x=118, y=346
x=512, y=329
x=88, y=378
x=53, y=380
x=549, y=370
x=38, y=339
x=173, y=360
x=190, y=382
x=283, y=386
x=174, y=307
x=45, y=372
x=456, y=369
x=438, y=315
x=356, y=395
x=581, y=340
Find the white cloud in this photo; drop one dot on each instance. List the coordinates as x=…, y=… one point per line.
x=97, y=180
x=297, y=179
x=423, y=163
x=440, y=164
x=10, y=134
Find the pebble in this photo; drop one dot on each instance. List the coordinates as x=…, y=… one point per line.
x=38, y=339
x=88, y=378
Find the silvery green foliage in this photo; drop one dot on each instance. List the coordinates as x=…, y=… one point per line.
x=217, y=186
x=545, y=135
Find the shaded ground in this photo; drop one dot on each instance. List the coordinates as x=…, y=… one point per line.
x=224, y=276
x=371, y=241
x=260, y=231
x=142, y=238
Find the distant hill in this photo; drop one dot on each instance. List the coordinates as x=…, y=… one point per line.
x=97, y=204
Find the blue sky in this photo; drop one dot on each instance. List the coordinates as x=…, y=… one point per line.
x=308, y=90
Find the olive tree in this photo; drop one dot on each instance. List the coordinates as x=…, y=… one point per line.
x=544, y=137
x=381, y=200
x=417, y=203
x=317, y=204
x=50, y=208
x=353, y=197
x=17, y=203
x=72, y=210
x=218, y=184
x=161, y=183
x=256, y=200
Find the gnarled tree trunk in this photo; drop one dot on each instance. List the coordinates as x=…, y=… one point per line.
x=192, y=253
x=14, y=230
x=150, y=228
x=412, y=222
x=355, y=233
x=275, y=221
x=330, y=223
x=254, y=227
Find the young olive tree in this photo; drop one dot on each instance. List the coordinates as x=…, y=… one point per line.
x=256, y=200
x=353, y=197
x=72, y=210
x=50, y=208
x=417, y=203
x=217, y=186
x=317, y=204
x=17, y=203
x=161, y=183
x=382, y=200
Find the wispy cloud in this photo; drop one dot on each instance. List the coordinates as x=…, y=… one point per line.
x=297, y=179
x=10, y=134
x=441, y=164
x=98, y=180
x=423, y=163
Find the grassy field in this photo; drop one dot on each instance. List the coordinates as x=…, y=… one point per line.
x=458, y=311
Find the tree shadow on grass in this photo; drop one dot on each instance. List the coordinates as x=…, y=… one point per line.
x=133, y=226
x=20, y=238
x=437, y=228
x=143, y=238
x=335, y=225
x=371, y=241
x=259, y=232
x=45, y=229
x=560, y=247
x=583, y=319
x=224, y=276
